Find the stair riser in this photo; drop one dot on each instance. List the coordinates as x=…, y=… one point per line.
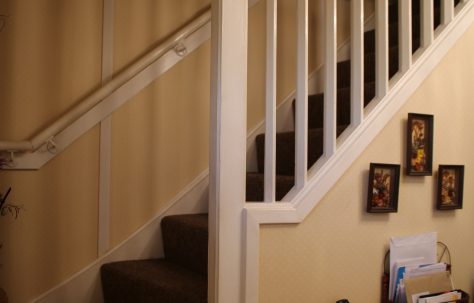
x=185, y=242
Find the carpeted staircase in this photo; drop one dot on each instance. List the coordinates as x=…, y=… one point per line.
x=285, y=142
x=181, y=276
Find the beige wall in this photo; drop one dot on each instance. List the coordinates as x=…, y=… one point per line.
x=337, y=251
x=49, y=58
x=160, y=138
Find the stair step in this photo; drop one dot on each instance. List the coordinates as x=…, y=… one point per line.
x=285, y=150
x=150, y=281
x=316, y=105
x=344, y=68
x=254, y=189
x=185, y=239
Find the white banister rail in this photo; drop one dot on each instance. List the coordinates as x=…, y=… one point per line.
x=115, y=83
x=301, y=123
x=270, y=114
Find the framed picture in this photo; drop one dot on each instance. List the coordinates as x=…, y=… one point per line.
x=419, y=145
x=450, y=187
x=382, y=196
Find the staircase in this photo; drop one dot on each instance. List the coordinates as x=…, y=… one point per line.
x=181, y=276
x=285, y=142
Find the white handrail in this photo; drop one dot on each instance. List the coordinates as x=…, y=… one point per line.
x=115, y=83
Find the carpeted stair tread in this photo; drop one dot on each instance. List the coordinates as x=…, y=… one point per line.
x=255, y=185
x=185, y=240
x=155, y=280
x=316, y=105
x=285, y=150
x=344, y=68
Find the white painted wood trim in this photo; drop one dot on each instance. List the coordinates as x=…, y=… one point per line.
x=301, y=108
x=105, y=155
x=105, y=131
x=270, y=106
x=447, y=11
x=427, y=33
x=330, y=90
x=405, y=36
x=145, y=243
x=357, y=62
x=227, y=159
x=251, y=261
x=320, y=183
x=381, y=41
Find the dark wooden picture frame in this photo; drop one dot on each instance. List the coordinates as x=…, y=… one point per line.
x=419, y=155
x=450, y=187
x=382, y=195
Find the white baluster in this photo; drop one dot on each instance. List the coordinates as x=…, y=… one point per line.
x=427, y=33
x=330, y=101
x=405, y=35
x=447, y=13
x=357, y=62
x=270, y=124
x=381, y=51
x=301, y=123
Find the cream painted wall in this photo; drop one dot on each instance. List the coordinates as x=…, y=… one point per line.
x=160, y=138
x=337, y=251
x=50, y=56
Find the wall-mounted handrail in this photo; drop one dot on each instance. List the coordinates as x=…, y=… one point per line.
x=115, y=83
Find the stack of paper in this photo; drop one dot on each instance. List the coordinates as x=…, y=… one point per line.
x=415, y=275
x=450, y=296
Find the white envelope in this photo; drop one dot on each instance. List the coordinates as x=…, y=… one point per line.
x=417, y=246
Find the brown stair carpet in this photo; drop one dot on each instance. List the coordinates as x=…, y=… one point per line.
x=180, y=277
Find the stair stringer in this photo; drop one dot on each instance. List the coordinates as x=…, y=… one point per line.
x=355, y=141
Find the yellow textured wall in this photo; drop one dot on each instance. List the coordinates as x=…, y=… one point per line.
x=337, y=251
x=50, y=56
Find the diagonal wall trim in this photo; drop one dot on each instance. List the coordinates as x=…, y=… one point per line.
x=320, y=182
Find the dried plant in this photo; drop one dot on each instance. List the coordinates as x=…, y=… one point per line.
x=7, y=208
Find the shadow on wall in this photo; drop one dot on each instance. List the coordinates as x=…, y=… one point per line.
x=3, y=21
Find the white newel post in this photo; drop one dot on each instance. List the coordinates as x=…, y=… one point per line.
x=228, y=127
